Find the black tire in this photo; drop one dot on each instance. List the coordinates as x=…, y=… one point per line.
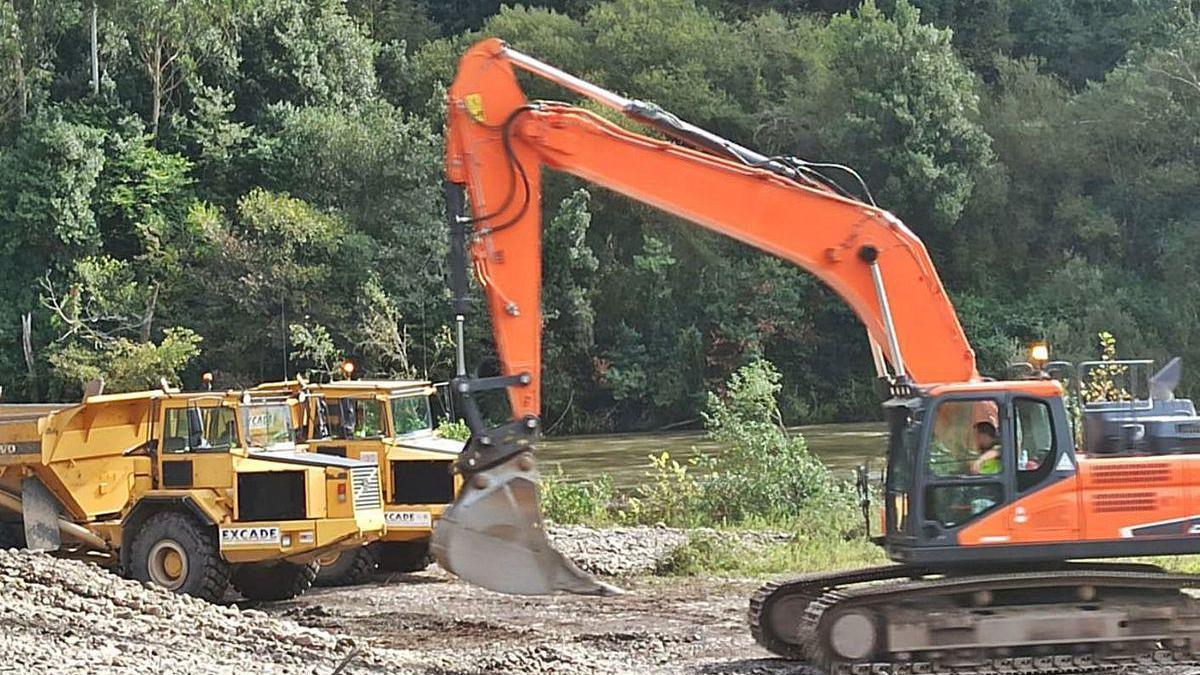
x=351, y=568
x=12, y=535
x=404, y=556
x=273, y=580
x=204, y=574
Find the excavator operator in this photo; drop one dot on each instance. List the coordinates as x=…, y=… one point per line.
x=987, y=443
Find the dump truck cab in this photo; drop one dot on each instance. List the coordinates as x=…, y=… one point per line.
x=388, y=423
x=194, y=491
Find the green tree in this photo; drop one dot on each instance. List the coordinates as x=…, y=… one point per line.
x=102, y=321
x=171, y=40
x=1081, y=40
x=280, y=261
x=307, y=52
x=900, y=107
x=569, y=318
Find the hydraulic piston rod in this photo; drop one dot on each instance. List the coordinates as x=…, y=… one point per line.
x=870, y=255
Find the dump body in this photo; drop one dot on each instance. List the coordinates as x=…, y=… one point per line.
x=114, y=463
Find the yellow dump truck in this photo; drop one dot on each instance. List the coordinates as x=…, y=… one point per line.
x=192, y=491
x=387, y=423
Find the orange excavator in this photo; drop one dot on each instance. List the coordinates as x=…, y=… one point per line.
x=993, y=517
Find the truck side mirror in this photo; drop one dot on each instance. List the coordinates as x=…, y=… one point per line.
x=322, y=421
x=347, y=417
x=195, y=429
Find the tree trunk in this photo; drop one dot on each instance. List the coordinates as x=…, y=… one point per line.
x=148, y=317
x=95, y=52
x=27, y=347
x=22, y=90
x=156, y=76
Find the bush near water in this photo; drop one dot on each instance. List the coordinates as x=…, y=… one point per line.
x=763, y=477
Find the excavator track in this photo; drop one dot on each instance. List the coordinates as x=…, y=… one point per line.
x=1000, y=623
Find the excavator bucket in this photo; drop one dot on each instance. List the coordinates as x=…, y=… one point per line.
x=492, y=536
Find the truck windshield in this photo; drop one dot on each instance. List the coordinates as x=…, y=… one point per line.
x=269, y=427
x=411, y=415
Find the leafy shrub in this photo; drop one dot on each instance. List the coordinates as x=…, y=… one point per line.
x=455, y=429
x=572, y=502
x=764, y=475
x=671, y=495
x=763, y=471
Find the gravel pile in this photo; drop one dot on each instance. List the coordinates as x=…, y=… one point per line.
x=617, y=551
x=68, y=616
x=627, y=551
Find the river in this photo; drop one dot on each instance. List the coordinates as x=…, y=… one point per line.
x=624, y=457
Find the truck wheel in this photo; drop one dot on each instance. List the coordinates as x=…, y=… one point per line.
x=404, y=556
x=12, y=535
x=273, y=580
x=174, y=551
x=349, y=568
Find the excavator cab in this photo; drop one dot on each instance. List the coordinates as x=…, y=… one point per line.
x=960, y=455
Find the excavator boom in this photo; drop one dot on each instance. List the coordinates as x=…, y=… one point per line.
x=496, y=145
x=497, y=142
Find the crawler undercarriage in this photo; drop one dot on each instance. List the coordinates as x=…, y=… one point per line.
x=1066, y=618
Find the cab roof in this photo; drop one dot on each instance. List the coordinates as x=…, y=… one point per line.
x=1043, y=388
x=365, y=386
x=342, y=387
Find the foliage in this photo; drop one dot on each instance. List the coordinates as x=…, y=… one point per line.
x=565, y=501
x=308, y=52
x=128, y=365
x=258, y=166
x=765, y=471
x=1106, y=382
x=312, y=345
x=455, y=429
x=171, y=41
x=904, y=113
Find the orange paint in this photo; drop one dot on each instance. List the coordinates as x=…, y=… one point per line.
x=810, y=227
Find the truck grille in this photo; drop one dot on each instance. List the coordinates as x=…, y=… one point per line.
x=422, y=482
x=364, y=481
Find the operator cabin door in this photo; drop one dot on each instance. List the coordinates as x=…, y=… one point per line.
x=965, y=469
x=194, y=446
x=1046, y=508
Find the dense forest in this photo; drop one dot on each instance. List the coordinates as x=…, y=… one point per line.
x=252, y=188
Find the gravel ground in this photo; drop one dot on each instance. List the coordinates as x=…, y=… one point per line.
x=66, y=616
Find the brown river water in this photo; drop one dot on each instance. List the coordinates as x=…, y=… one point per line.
x=624, y=457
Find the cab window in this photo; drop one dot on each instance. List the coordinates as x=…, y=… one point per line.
x=350, y=418
x=1034, y=442
x=199, y=429
x=966, y=439
x=411, y=415
x=269, y=427
x=964, y=452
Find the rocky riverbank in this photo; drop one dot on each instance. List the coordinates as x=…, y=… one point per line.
x=68, y=616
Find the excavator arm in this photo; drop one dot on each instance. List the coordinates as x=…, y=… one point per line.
x=496, y=144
